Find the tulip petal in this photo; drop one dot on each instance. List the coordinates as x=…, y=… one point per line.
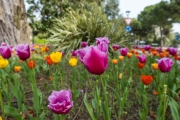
x=95, y=61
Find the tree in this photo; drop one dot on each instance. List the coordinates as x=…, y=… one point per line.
x=14, y=28
x=51, y=9
x=112, y=8
x=156, y=16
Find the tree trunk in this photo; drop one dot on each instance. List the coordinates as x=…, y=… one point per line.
x=14, y=28
x=161, y=32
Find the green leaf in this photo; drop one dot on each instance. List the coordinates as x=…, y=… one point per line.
x=174, y=106
x=13, y=112
x=89, y=108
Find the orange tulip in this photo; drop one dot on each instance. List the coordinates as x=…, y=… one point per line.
x=136, y=53
x=48, y=60
x=146, y=79
x=17, y=68
x=141, y=65
x=46, y=49
x=155, y=53
x=51, y=78
x=155, y=92
x=176, y=57
x=132, y=51
x=31, y=64
x=115, y=61
x=162, y=54
x=121, y=58
x=129, y=55
x=143, y=50
x=167, y=54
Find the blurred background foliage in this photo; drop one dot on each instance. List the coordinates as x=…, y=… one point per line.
x=65, y=23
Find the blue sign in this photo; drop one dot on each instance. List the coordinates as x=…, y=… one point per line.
x=128, y=28
x=176, y=37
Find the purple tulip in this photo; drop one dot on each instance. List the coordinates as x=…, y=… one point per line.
x=5, y=51
x=23, y=51
x=102, y=39
x=84, y=44
x=95, y=58
x=136, y=47
x=62, y=53
x=74, y=53
x=3, y=44
x=60, y=102
x=172, y=51
x=165, y=64
x=159, y=49
x=142, y=58
x=115, y=47
x=123, y=51
x=147, y=47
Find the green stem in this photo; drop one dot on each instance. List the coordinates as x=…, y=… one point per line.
x=106, y=100
x=2, y=105
x=164, y=107
x=62, y=117
x=58, y=69
x=35, y=93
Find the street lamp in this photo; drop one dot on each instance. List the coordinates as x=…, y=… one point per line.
x=127, y=13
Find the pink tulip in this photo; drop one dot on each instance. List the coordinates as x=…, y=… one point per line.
x=23, y=51
x=102, y=39
x=5, y=51
x=123, y=51
x=95, y=58
x=84, y=44
x=3, y=44
x=60, y=102
x=172, y=51
x=159, y=49
x=165, y=64
x=142, y=58
x=147, y=47
x=136, y=47
x=115, y=47
x=74, y=53
x=63, y=53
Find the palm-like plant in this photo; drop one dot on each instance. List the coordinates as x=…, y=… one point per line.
x=86, y=24
x=79, y=25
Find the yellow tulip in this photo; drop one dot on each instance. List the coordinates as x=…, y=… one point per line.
x=73, y=62
x=56, y=57
x=154, y=66
x=0, y=118
x=3, y=62
x=120, y=76
x=121, y=58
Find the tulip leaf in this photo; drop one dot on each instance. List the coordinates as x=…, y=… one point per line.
x=29, y=116
x=89, y=108
x=15, y=113
x=177, y=90
x=41, y=117
x=174, y=108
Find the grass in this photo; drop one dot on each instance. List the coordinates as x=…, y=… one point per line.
x=37, y=40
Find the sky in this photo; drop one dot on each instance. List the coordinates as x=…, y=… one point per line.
x=136, y=6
